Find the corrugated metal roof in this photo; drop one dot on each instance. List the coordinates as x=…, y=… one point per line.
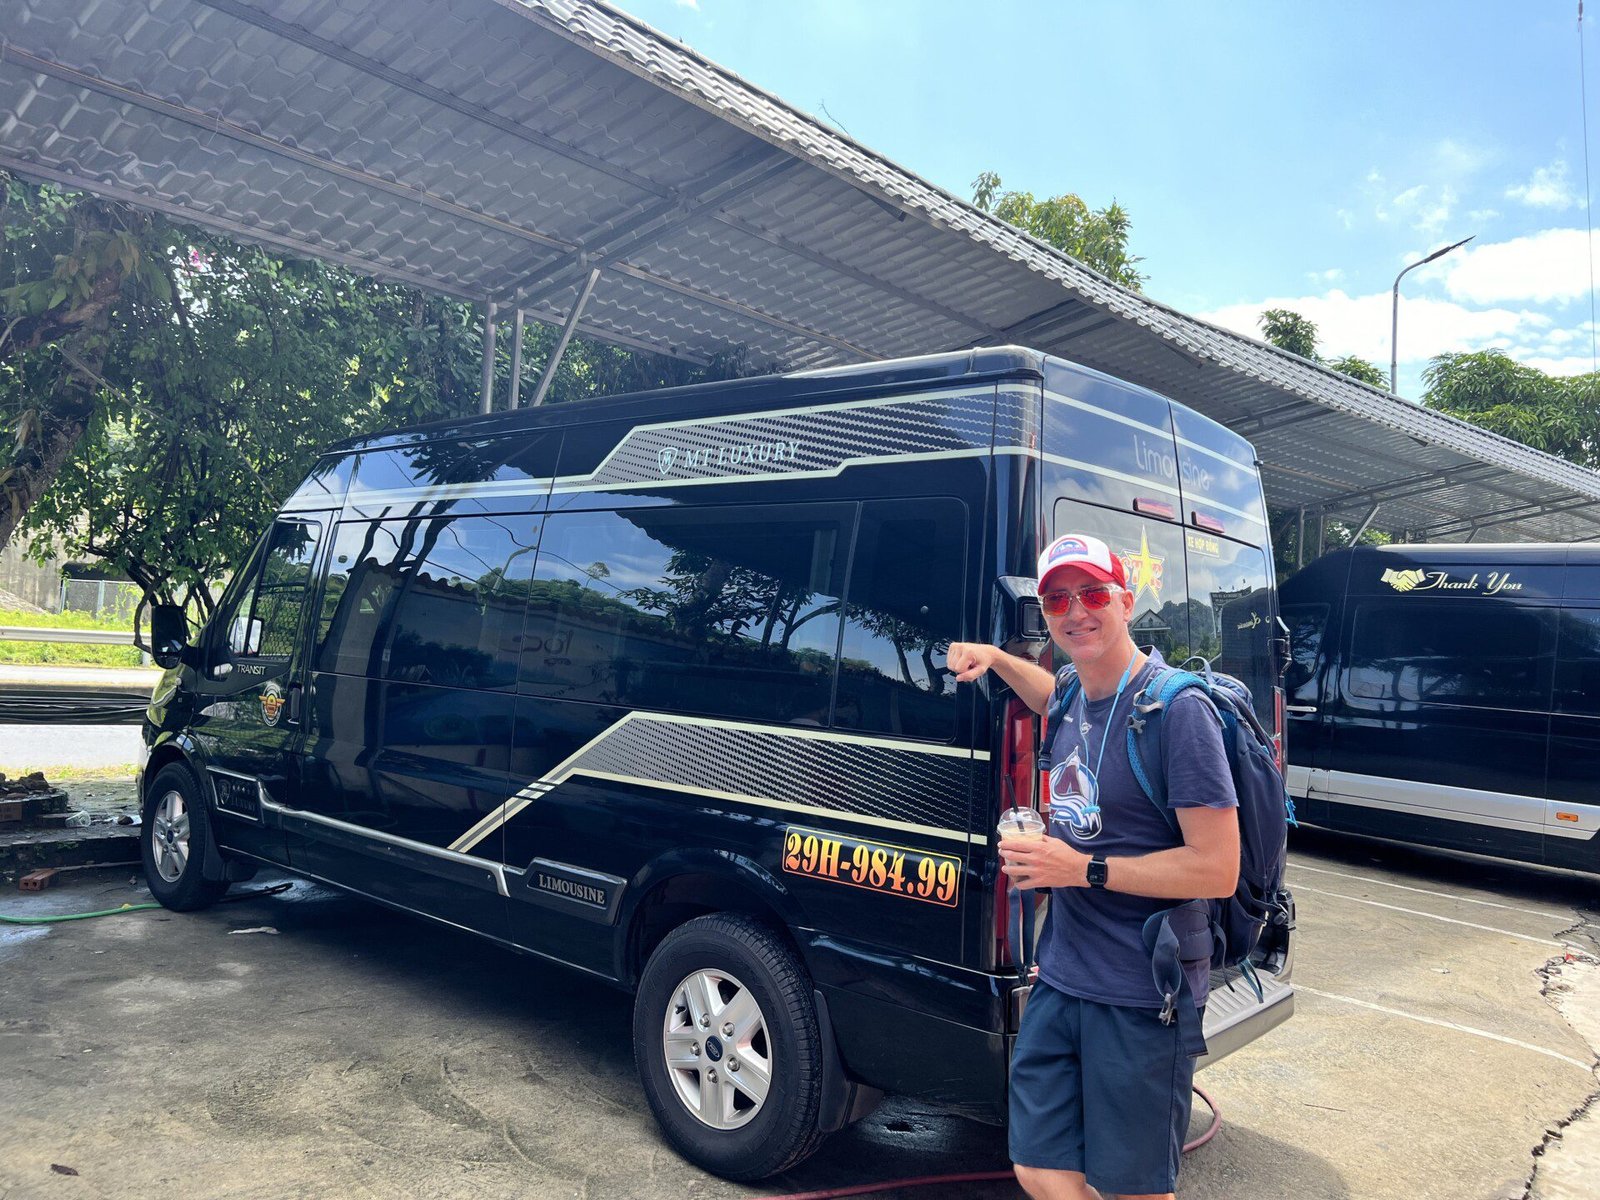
x=499, y=149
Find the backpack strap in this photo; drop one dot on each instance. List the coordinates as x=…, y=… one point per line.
x=1067, y=687
x=1146, y=752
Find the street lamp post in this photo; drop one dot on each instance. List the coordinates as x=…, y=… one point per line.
x=1394, y=323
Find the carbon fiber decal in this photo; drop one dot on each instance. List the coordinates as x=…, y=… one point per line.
x=797, y=441
x=885, y=784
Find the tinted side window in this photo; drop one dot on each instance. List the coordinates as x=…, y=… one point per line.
x=268, y=622
x=1306, y=624
x=1482, y=653
x=364, y=575
x=904, y=610
x=1230, y=613
x=726, y=611
x=458, y=620
x=1578, y=662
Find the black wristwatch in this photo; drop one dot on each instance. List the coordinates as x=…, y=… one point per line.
x=1096, y=871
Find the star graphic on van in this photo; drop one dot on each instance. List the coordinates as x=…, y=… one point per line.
x=1144, y=570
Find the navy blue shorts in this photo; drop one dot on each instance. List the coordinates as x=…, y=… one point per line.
x=1101, y=1089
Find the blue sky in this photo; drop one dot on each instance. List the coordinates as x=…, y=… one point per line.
x=1269, y=154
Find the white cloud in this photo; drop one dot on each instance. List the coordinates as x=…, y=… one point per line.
x=1568, y=365
x=1331, y=275
x=1549, y=188
x=694, y=4
x=1455, y=159
x=1425, y=208
x=1550, y=266
x=1359, y=325
x=1481, y=216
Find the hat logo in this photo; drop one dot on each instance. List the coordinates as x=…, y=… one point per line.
x=1068, y=546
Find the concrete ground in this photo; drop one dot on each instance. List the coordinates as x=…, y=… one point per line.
x=308, y=1044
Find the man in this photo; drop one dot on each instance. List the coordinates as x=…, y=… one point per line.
x=1100, y=1086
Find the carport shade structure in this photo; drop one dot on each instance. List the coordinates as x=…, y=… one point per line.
x=501, y=151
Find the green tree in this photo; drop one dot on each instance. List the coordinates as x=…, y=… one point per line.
x=167, y=388
x=1098, y=238
x=1487, y=387
x=1288, y=330
x=1359, y=368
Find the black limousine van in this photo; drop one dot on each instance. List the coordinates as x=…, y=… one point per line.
x=654, y=687
x=1450, y=695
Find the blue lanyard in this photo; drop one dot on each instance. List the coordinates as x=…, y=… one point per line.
x=1122, y=683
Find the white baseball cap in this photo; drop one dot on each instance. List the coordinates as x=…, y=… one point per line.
x=1088, y=554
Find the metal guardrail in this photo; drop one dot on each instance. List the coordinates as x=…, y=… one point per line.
x=93, y=637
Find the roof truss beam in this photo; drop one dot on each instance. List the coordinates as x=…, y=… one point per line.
x=213, y=125
x=310, y=41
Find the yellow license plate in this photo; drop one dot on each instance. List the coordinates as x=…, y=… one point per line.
x=895, y=870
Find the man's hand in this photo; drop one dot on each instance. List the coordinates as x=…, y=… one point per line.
x=970, y=660
x=1043, y=862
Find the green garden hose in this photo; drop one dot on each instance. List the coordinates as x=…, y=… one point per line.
x=104, y=912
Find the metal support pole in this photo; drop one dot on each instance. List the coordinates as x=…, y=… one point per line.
x=566, y=336
x=486, y=404
x=1322, y=533
x=516, y=358
x=1300, y=543
x=1363, y=527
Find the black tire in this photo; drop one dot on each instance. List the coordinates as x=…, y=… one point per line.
x=173, y=851
x=766, y=1137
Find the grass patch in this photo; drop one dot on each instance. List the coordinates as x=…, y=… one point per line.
x=64, y=654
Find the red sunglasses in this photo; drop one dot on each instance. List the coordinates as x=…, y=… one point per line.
x=1094, y=598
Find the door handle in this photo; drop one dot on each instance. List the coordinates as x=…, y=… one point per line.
x=295, y=692
x=1300, y=709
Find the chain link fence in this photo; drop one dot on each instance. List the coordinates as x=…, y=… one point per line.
x=108, y=599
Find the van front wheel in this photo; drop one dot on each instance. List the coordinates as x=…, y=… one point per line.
x=172, y=838
x=726, y=1041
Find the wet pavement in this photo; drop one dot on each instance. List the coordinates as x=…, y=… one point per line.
x=310, y=1044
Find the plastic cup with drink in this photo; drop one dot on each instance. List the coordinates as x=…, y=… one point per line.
x=1020, y=823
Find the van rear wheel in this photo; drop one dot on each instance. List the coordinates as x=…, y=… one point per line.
x=172, y=838
x=726, y=1041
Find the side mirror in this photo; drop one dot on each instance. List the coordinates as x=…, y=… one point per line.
x=169, y=635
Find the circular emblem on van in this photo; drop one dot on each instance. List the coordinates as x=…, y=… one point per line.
x=271, y=703
x=714, y=1049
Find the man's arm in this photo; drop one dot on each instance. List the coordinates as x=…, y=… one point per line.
x=1030, y=681
x=1206, y=865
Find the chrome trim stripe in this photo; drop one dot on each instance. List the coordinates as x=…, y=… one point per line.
x=417, y=912
x=1471, y=806
x=495, y=869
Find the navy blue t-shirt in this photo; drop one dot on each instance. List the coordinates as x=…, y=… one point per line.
x=1092, y=945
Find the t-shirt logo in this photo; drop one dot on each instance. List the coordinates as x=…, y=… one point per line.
x=1075, y=798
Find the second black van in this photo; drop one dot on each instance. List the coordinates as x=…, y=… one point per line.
x=1449, y=695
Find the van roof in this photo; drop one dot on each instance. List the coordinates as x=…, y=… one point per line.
x=734, y=395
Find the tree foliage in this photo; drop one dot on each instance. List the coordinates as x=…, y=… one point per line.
x=1558, y=415
x=1098, y=238
x=167, y=387
x=1289, y=330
